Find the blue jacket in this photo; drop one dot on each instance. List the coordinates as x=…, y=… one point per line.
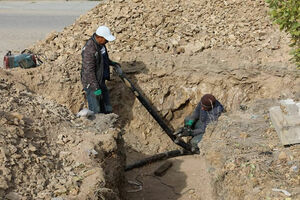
x=202, y=118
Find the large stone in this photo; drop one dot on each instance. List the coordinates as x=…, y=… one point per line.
x=286, y=120
x=289, y=106
x=13, y=196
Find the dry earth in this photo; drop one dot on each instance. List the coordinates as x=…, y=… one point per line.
x=46, y=152
x=176, y=51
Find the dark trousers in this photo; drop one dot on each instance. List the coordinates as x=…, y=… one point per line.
x=101, y=103
x=195, y=139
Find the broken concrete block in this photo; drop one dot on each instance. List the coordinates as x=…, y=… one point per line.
x=289, y=106
x=286, y=120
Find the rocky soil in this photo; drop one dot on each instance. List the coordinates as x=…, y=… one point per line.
x=45, y=152
x=259, y=163
x=176, y=51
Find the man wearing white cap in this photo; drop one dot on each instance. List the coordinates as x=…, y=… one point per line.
x=95, y=70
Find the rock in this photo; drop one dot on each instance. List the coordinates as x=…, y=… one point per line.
x=92, y=152
x=51, y=36
x=169, y=115
x=74, y=191
x=17, y=115
x=282, y=156
x=192, y=191
x=3, y=151
x=244, y=135
x=179, y=50
x=57, y=198
x=13, y=196
x=295, y=168
x=60, y=190
x=32, y=148
x=286, y=120
x=3, y=183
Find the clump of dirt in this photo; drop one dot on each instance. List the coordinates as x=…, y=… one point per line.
x=46, y=152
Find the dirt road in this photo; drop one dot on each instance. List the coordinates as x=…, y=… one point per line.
x=23, y=22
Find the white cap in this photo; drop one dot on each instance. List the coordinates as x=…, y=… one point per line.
x=103, y=31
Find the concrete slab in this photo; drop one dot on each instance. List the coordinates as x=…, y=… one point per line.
x=286, y=121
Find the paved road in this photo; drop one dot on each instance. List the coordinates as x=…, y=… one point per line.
x=23, y=23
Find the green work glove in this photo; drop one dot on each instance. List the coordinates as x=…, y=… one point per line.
x=97, y=92
x=189, y=123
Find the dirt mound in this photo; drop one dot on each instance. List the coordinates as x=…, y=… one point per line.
x=246, y=158
x=43, y=153
x=172, y=26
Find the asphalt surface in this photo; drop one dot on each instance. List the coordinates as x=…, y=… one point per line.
x=22, y=23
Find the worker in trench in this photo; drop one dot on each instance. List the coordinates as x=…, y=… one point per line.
x=208, y=110
x=95, y=70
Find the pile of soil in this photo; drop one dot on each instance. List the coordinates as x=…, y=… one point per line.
x=176, y=51
x=45, y=152
x=245, y=158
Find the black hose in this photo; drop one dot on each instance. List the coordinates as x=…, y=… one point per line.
x=151, y=110
x=158, y=157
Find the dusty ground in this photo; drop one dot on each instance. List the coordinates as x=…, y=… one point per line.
x=176, y=51
x=188, y=178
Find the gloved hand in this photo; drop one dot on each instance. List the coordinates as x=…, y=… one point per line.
x=114, y=64
x=183, y=132
x=117, y=67
x=98, y=92
x=189, y=123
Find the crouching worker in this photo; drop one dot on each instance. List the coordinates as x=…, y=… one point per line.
x=208, y=110
x=95, y=70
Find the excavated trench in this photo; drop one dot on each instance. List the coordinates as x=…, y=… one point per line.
x=174, y=91
x=174, y=86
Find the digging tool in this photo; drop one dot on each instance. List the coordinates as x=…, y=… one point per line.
x=169, y=131
x=161, y=170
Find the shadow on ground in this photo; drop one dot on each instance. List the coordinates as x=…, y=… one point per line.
x=118, y=91
x=172, y=185
x=153, y=187
x=186, y=179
